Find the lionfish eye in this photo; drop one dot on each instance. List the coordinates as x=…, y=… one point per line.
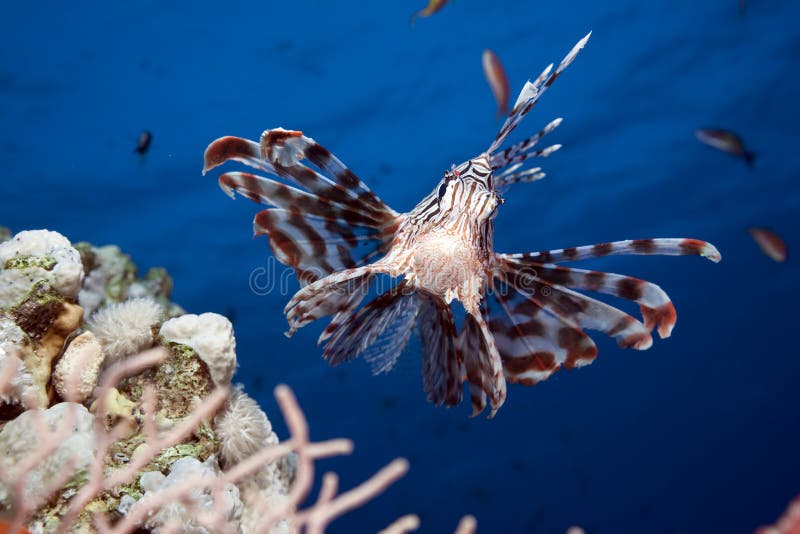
x=443, y=188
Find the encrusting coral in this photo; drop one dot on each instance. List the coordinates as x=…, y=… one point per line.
x=210, y=335
x=78, y=369
x=119, y=440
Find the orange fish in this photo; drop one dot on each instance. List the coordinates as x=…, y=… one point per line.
x=771, y=244
x=433, y=7
x=725, y=141
x=498, y=82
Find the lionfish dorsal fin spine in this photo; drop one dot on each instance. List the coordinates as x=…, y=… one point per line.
x=532, y=91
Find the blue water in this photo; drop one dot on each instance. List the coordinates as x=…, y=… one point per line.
x=698, y=434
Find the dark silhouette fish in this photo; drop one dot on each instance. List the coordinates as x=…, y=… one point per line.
x=524, y=318
x=143, y=144
x=725, y=141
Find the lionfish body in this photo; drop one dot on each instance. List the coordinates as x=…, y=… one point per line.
x=523, y=319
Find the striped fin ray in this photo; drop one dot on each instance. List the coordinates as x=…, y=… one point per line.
x=531, y=93
x=533, y=342
x=483, y=365
x=317, y=246
x=267, y=191
x=577, y=310
x=347, y=306
x=441, y=362
x=335, y=222
x=286, y=149
x=512, y=176
x=280, y=153
x=325, y=296
x=231, y=148
x=523, y=150
x=663, y=247
x=379, y=331
x=656, y=307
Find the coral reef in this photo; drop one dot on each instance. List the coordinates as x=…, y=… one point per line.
x=118, y=414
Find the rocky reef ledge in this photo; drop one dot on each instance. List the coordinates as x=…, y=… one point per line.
x=118, y=414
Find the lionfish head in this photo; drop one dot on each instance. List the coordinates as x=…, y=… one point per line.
x=468, y=189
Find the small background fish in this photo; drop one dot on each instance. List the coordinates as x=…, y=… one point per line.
x=143, y=143
x=698, y=434
x=770, y=243
x=726, y=141
x=434, y=6
x=498, y=81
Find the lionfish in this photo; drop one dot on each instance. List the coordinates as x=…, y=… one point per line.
x=522, y=318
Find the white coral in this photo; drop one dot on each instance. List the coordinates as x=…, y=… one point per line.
x=126, y=328
x=201, y=500
x=22, y=386
x=210, y=335
x=73, y=451
x=78, y=368
x=35, y=255
x=242, y=428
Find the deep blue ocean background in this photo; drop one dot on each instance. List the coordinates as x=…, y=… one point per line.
x=699, y=434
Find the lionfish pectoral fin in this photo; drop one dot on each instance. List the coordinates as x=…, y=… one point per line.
x=663, y=247
x=656, y=308
x=332, y=294
x=231, y=148
x=483, y=368
x=538, y=320
x=654, y=304
x=379, y=331
x=331, y=221
x=533, y=339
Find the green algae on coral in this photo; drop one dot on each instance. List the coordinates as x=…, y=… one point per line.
x=181, y=381
x=26, y=262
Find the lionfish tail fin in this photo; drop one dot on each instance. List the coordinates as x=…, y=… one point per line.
x=331, y=221
x=528, y=98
